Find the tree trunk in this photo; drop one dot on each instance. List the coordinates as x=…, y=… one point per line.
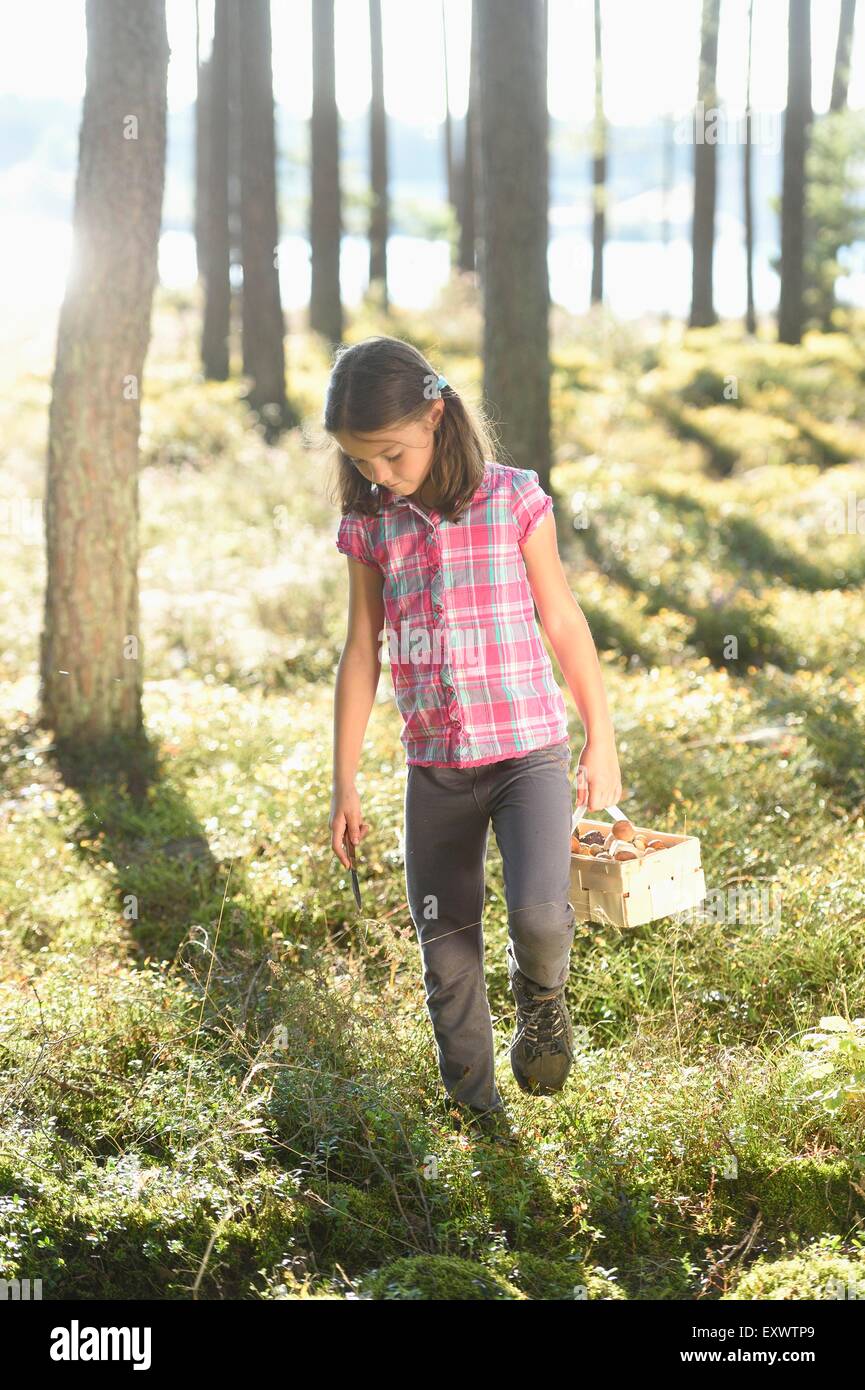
x=202, y=122
x=263, y=323
x=470, y=220
x=90, y=661
x=599, y=169
x=235, y=156
x=797, y=120
x=515, y=171
x=212, y=115
x=379, y=216
x=325, y=235
x=450, y=163
x=750, y=314
x=841, y=74
x=705, y=171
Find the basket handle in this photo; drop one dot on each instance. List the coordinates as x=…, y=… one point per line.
x=582, y=802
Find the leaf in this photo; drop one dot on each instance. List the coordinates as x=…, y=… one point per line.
x=833, y=1024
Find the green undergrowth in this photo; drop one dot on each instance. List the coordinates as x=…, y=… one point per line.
x=218, y=1080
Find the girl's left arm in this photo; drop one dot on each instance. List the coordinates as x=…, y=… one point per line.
x=565, y=625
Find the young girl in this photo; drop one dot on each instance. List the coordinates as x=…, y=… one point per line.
x=448, y=550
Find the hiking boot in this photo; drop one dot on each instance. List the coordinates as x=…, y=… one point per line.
x=542, y=1048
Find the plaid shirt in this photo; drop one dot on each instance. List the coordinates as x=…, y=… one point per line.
x=471, y=675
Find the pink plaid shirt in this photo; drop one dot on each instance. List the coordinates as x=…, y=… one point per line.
x=471, y=675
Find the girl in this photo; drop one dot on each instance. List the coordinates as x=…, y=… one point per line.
x=447, y=551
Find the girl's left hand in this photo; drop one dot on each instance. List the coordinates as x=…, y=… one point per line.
x=599, y=764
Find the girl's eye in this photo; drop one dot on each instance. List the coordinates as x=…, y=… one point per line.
x=359, y=463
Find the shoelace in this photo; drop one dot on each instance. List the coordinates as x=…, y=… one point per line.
x=544, y=1024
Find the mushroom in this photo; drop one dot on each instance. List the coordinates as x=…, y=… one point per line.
x=614, y=841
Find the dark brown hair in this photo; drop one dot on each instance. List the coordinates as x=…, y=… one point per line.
x=383, y=382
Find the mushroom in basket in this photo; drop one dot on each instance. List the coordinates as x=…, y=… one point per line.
x=622, y=842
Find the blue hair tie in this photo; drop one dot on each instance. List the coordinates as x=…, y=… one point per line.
x=442, y=382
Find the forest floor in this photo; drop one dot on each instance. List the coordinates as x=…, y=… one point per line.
x=218, y=1080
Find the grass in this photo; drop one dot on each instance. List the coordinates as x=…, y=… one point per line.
x=217, y=1081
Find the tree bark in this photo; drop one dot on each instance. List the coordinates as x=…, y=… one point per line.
x=841, y=73
x=263, y=323
x=450, y=163
x=750, y=314
x=705, y=172
x=796, y=123
x=202, y=122
x=325, y=236
x=379, y=215
x=514, y=176
x=470, y=220
x=90, y=660
x=216, y=268
x=599, y=169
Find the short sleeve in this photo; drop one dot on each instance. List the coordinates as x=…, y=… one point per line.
x=352, y=539
x=530, y=503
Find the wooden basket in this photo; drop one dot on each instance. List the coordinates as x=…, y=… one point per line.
x=631, y=892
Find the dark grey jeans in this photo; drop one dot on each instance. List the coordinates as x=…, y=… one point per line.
x=448, y=811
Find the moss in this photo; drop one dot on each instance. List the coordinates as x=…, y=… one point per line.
x=144, y=1251
x=437, y=1277
x=820, y=1272
x=542, y=1278
x=356, y=1227
x=805, y=1197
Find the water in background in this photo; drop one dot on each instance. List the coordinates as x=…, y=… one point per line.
x=641, y=277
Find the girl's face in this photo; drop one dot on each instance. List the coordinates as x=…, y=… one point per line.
x=399, y=458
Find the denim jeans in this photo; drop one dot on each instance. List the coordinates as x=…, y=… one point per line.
x=448, y=811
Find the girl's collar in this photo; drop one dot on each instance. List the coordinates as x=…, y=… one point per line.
x=392, y=500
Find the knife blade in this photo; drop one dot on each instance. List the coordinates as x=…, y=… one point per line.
x=350, y=850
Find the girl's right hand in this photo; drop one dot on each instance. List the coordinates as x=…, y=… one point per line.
x=346, y=815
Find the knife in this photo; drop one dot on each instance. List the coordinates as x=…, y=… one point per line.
x=350, y=850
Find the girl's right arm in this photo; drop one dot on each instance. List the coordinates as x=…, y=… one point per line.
x=356, y=683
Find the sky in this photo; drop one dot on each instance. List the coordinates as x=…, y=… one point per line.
x=650, y=59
